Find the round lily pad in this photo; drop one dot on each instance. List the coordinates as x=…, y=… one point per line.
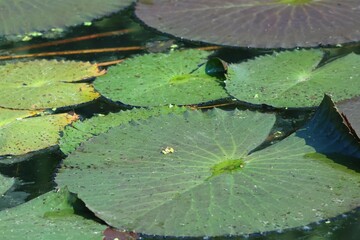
x=294, y=79
x=50, y=216
x=20, y=17
x=46, y=84
x=194, y=175
x=259, y=24
x=161, y=79
x=31, y=134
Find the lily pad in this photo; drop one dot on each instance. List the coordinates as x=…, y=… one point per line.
x=259, y=24
x=5, y=184
x=10, y=115
x=32, y=134
x=46, y=84
x=350, y=108
x=196, y=175
x=20, y=17
x=79, y=132
x=50, y=216
x=161, y=79
x=294, y=79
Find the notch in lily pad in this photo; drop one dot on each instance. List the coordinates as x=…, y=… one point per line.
x=216, y=67
x=215, y=184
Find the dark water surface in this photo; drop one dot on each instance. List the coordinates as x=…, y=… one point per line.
x=35, y=175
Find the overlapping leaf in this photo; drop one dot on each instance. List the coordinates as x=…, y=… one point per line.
x=19, y=16
x=259, y=24
x=161, y=79
x=79, y=132
x=46, y=84
x=10, y=115
x=50, y=216
x=292, y=79
x=350, y=108
x=194, y=175
x=32, y=134
x=5, y=184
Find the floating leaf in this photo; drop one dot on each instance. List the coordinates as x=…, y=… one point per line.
x=19, y=17
x=161, y=79
x=350, y=108
x=46, y=84
x=328, y=132
x=210, y=183
x=291, y=79
x=50, y=216
x=32, y=134
x=79, y=132
x=10, y=115
x=259, y=24
x=112, y=234
x=5, y=184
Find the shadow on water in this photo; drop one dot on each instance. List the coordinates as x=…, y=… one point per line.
x=33, y=177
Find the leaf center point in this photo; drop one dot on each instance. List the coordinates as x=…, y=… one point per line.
x=227, y=166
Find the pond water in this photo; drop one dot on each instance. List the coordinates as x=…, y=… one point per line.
x=35, y=175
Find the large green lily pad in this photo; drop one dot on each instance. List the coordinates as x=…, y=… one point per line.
x=294, y=79
x=194, y=174
x=50, y=216
x=161, y=79
x=5, y=184
x=31, y=134
x=79, y=132
x=19, y=16
x=46, y=84
x=259, y=24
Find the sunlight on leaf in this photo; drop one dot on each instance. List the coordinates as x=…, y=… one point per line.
x=46, y=84
x=32, y=134
x=292, y=79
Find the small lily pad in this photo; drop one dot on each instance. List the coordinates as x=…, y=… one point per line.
x=79, y=132
x=161, y=79
x=294, y=79
x=211, y=183
x=32, y=134
x=50, y=216
x=46, y=84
